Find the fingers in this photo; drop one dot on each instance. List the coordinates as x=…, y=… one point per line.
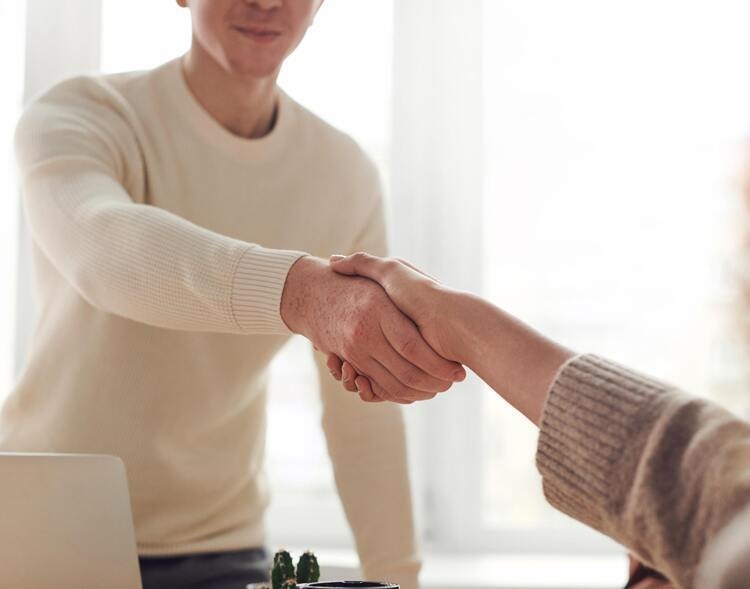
x=388, y=387
x=410, y=375
x=342, y=371
x=365, y=391
x=334, y=366
x=364, y=264
x=349, y=376
x=379, y=395
x=405, y=338
x=359, y=264
x=413, y=267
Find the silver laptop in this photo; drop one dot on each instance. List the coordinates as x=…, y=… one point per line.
x=65, y=523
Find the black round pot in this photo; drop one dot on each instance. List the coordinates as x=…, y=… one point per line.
x=352, y=584
x=340, y=585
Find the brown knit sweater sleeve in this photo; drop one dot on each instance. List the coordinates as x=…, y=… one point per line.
x=659, y=471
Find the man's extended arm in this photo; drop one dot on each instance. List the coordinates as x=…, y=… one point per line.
x=77, y=153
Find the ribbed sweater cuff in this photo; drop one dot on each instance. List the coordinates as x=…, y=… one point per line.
x=596, y=415
x=257, y=287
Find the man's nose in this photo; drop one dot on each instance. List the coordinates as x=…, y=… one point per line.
x=265, y=4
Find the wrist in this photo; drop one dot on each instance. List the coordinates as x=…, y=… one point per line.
x=462, y=313
x=295, y=297
x=518, y=362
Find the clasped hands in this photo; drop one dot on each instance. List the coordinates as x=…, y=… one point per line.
x=379, y=321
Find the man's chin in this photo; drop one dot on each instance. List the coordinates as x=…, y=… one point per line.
x=255, y=68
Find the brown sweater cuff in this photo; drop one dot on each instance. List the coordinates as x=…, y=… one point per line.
x=596, y=415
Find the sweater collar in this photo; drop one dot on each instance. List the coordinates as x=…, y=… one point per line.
x=250, y=150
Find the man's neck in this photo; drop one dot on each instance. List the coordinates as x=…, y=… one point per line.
x=245, y=107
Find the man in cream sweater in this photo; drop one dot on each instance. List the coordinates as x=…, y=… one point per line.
x=178, y=218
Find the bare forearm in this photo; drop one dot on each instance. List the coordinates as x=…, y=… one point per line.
x=518, y=362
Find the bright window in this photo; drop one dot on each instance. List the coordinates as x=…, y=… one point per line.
x=612, y=135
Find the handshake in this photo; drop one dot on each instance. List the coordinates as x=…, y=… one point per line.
x=385, y=325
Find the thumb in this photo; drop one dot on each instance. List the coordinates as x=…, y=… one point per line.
x=359, y=264
x=342, y=265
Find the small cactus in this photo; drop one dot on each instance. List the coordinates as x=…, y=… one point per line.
x=283, y=570
x=308, y=570
x=285, y=559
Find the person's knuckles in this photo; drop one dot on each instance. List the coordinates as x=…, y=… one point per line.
x=360, y=331
x=334, y=364
x=359, y=258
x=365, y=390
x=348, y=377
x=353, y=343
x=387, y=266
x=349, y=384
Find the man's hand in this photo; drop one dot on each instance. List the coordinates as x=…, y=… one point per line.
x=416, y=294
x=354, y=319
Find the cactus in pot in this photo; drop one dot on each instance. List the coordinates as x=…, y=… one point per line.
x=308, y=570
x=283, y=570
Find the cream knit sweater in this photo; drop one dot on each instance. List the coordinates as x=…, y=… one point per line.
x=161, y=247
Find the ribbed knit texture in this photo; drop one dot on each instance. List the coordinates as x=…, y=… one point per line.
x=659, y=471
x=258, y=284
x=161, y=245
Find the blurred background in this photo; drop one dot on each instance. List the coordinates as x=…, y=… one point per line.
x=577, y=162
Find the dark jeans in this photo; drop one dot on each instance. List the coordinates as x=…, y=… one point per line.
x=217, y=570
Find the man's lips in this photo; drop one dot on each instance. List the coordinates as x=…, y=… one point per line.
x=260, y=34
